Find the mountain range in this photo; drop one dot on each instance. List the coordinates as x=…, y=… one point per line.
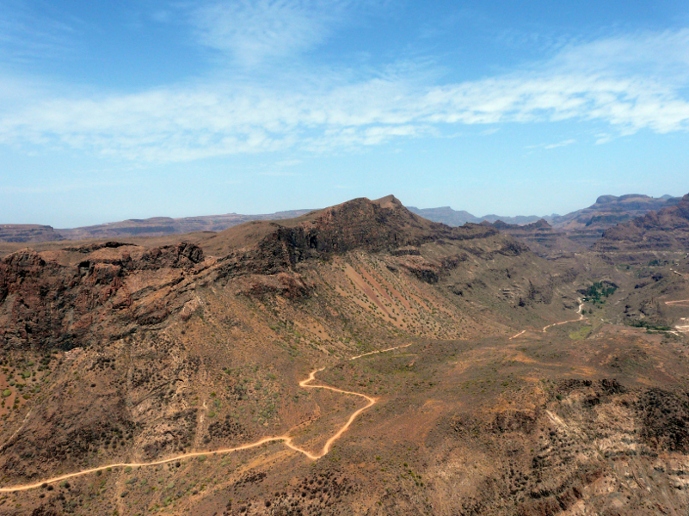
x=359, y=359
x=585, y=224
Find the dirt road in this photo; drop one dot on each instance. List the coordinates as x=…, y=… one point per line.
x=306, y=384
x=581, y=318
x=545, y=328
x=286, y=439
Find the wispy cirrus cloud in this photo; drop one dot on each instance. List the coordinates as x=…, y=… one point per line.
x=251, y=31
x=24, y=36
x=563, y=143
x=556, y=145
x=629, y=82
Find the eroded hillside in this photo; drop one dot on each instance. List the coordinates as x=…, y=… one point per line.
x=119, y=356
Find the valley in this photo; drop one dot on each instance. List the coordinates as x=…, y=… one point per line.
x=354, y=360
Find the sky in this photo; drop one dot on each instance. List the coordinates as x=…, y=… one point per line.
x=133, y=109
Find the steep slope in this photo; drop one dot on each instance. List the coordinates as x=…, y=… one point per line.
x=665, y=230
x=79, y=295
x=28, y=233
x=193, y=377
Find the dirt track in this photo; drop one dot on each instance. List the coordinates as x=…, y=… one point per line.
x=545, y=328
x=306, y=384
x=581, y=318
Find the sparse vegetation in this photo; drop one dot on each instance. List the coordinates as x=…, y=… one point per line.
x=466, y=420
x=649, y=325
x=598, y=291
x=581, y=333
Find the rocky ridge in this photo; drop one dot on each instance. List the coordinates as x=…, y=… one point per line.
x=497, y=393
x=28, y=233
x=664, y=230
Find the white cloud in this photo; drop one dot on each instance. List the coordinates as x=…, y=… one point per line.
x=631, y=83
x=252, y=31
x=556, y=145
x=563, y=143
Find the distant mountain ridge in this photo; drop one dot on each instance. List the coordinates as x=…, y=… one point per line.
x=664, y=230
x=161, y=226
x=609, y=210
x=447, y=215
x=583, y=226
x=28, y=233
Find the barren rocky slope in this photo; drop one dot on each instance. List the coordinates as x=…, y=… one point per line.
x=665, y=230
x=115, y=353
x=28, y=233
x=610, y=210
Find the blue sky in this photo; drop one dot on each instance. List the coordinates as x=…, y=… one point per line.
x=113, y=110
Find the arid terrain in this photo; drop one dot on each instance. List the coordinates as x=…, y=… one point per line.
x=354, y=360
x=556, y=233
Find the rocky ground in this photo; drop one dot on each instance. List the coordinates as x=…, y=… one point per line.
x=133, y=353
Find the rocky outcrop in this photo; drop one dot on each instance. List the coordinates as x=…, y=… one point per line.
x=45, y=303
x=667, y=229
x=374, y=226
x=28, y=233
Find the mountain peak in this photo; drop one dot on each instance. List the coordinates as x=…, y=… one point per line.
x=388, y=201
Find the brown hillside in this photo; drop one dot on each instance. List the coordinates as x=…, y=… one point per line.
x=28, y=233
x=665, y=230
x=355, y=360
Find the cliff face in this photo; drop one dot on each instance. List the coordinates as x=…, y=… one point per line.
x=609, y=210
x=495, y=391
x=665, y=230
x=28, y=233
x=79, y=295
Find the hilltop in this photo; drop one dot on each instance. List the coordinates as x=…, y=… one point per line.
x=610, y=210
x=582, y=227
x=358, y=359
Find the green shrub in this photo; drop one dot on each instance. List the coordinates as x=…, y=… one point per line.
x=649, y=325
x=599, y=290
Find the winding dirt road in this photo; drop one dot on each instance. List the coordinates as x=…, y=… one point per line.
x=306, y=384
x=286, y=439
x=376, y=352
x=581, y=318
x=545, y=328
